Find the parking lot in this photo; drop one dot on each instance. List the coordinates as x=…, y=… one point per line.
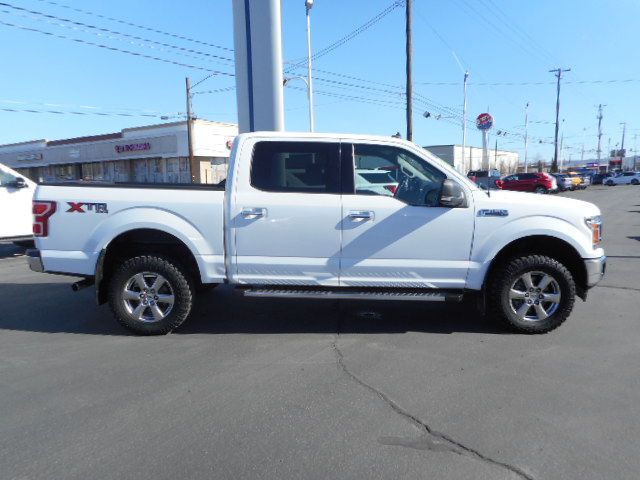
x=310, y=389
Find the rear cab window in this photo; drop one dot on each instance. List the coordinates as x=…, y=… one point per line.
x=296, y=167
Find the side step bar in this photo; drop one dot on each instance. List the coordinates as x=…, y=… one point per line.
x=351, y=294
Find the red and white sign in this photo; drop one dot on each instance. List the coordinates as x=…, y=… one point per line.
x=484, y=121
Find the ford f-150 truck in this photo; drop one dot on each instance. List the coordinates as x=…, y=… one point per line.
x=290, y=221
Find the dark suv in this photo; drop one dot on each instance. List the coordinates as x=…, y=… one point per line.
x=484, y=178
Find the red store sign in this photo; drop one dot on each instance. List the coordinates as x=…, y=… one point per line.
x=133, y=147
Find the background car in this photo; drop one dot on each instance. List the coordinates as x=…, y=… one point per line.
x=586, y=180
x=564, y=182
x=600, y=178
x=376, y=182
x=530, y=182
x=485, y=178
x=577, y=180
x=624, y=178
x=16, y=195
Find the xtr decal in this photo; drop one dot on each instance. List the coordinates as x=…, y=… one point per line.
x=90, y=207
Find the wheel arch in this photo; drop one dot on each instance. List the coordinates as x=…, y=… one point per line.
x=137, y=242
x=550, y=246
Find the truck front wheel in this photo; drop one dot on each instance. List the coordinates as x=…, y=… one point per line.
x=150, y=295
x=531, y=294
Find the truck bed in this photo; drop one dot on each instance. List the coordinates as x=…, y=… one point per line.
x=91, y=215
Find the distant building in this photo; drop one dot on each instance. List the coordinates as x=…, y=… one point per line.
x=503, y=160
x=149, y=154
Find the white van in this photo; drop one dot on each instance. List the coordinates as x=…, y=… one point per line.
x=16, y=194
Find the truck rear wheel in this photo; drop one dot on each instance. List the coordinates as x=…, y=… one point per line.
x=531, y=294
x=150, y=295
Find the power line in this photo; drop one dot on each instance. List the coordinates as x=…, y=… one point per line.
x=351, y=35
x=114, y=32
x=60, y=112
x=87, y=107
x=114, y=49
x=125, y=22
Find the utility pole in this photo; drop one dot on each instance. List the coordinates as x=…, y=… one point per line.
x=622, y=152
x=561, y=142
x=526, y=135
x=599, y=150
x=409, y=48
x=464, y=122
x=558, y=72
x=190, y=127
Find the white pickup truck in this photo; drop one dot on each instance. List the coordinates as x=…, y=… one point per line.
x=291, y=221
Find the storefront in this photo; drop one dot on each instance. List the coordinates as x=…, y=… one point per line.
x=150, y=154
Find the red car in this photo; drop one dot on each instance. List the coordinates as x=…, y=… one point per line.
x=530, y=182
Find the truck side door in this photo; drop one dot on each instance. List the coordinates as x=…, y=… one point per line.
x=285, y=213
x=402, y=238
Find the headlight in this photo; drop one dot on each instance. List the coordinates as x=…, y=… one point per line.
x=595, y=225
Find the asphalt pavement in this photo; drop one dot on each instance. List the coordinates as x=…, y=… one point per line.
x=259, y=388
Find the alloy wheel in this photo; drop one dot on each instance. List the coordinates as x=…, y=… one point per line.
x=148, y=297
x=534, y=296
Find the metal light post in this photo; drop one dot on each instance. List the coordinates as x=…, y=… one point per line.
x=286, y=82
x=526, y=136
x=309, y=5
x=464, y=122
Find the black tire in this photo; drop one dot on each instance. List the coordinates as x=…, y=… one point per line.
x=540, y=189
x=610, y=183
x=502, y=306
x=173, y=299
x=635, y=181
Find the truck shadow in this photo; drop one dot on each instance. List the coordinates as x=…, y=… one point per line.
x=54, y=308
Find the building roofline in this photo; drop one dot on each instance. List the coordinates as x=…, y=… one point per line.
x=26, y=142
x=89, y=138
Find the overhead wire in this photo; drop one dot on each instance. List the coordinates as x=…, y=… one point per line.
x=95, y=29
x=351, y=35
x=130, y=24
x=115, y=49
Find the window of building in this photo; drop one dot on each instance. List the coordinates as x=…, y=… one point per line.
x=309, y=167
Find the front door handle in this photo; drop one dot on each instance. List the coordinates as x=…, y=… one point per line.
x=361, y=215
x=251, y=213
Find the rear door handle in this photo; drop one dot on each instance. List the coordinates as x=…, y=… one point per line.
x=361, y=215
x=251, y=213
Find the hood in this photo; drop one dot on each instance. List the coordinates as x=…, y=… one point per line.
x=549, y=204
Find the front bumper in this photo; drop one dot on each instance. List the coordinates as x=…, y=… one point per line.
x=595, y=268
x=35, y=260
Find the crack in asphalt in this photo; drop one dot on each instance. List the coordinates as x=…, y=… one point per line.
x=431, y=440
x=616, y=287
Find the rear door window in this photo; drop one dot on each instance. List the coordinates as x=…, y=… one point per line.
x=296, y=167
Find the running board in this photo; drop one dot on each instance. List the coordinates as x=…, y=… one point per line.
x=350, y=294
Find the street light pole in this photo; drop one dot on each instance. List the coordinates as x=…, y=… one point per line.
x=464, y=122
x=526, y=135
x=309, y=5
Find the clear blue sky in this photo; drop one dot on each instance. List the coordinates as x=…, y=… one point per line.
x=499, y=41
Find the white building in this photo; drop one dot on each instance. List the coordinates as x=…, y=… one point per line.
x=149, y=154
x=503, y=160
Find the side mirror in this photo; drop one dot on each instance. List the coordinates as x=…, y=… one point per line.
x=452, y=195
x=19, y=183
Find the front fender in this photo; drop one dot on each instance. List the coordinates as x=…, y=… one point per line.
x=487, y=246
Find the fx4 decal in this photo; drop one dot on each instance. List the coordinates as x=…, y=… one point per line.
x=90, y=207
